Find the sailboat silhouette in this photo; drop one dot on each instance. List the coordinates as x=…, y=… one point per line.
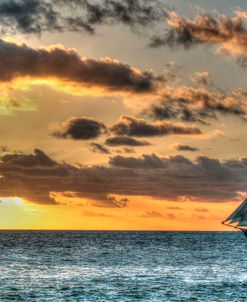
x=238, y=219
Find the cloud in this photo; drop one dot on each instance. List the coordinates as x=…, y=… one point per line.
x=86, y=128
x=228, y=34
x=140, y=128
x=39, y=178
x=203, y=78
x=242, y=14
x=83, y=128
x=146, y=161
x=155, y=214
x=66, y=66
x=125, y=150
x=125, y=141
x=179, y=147
x=171, y=216
x=20, y=160
x=178, y=177
x=38, y=16
x=98, y=148
x=4, y=149
x=31, y=16
x=11, y=104
x=119, y=202
x=152, y=214
x=197, y=104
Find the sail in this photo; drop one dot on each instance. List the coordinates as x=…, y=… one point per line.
x=239, y=215
x=243, y=220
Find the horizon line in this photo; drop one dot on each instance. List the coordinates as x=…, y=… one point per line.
x=130, y=230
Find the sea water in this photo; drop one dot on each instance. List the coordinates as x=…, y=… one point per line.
x=123, y=266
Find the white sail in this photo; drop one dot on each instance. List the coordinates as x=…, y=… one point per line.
x=243, y=220
x=239, y=215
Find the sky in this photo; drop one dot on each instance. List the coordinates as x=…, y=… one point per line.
x=122, y=114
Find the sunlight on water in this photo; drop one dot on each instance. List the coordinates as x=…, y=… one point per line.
x=123, y=266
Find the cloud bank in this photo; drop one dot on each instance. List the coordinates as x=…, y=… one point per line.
x=38, y=178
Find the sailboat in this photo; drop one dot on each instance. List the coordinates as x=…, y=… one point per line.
x=238, y=219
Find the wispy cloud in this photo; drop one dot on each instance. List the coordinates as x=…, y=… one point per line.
x=228, y=34
x=191, y=104
x=39, y=16
x=179, y=147
x=125, y=141
x=99, y=148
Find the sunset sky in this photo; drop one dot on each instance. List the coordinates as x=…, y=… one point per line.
x=122, y=114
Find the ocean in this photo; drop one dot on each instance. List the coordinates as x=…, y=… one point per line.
x=123, y=266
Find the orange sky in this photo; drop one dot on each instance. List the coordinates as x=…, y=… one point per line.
x=181, y=111
x=141, y=214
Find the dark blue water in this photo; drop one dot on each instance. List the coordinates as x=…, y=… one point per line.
x=123, y=266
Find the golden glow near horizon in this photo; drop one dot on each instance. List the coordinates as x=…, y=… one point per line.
x=142, y=214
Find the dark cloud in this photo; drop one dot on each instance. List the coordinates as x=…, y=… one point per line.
x=98, y=148
x=83, y=128
x=197, y=104
x=204, y=179
x=28, y=16
x=21, y=61
x=38, y=178
x=38, y=16
x=133, y=162
x=229, y=34
x=140, y=128
x=38, y=159
x=119, y=202
x=125, y=150
x=146, y=161
x=125, y=141
x=179, y=147
x=20, y=171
